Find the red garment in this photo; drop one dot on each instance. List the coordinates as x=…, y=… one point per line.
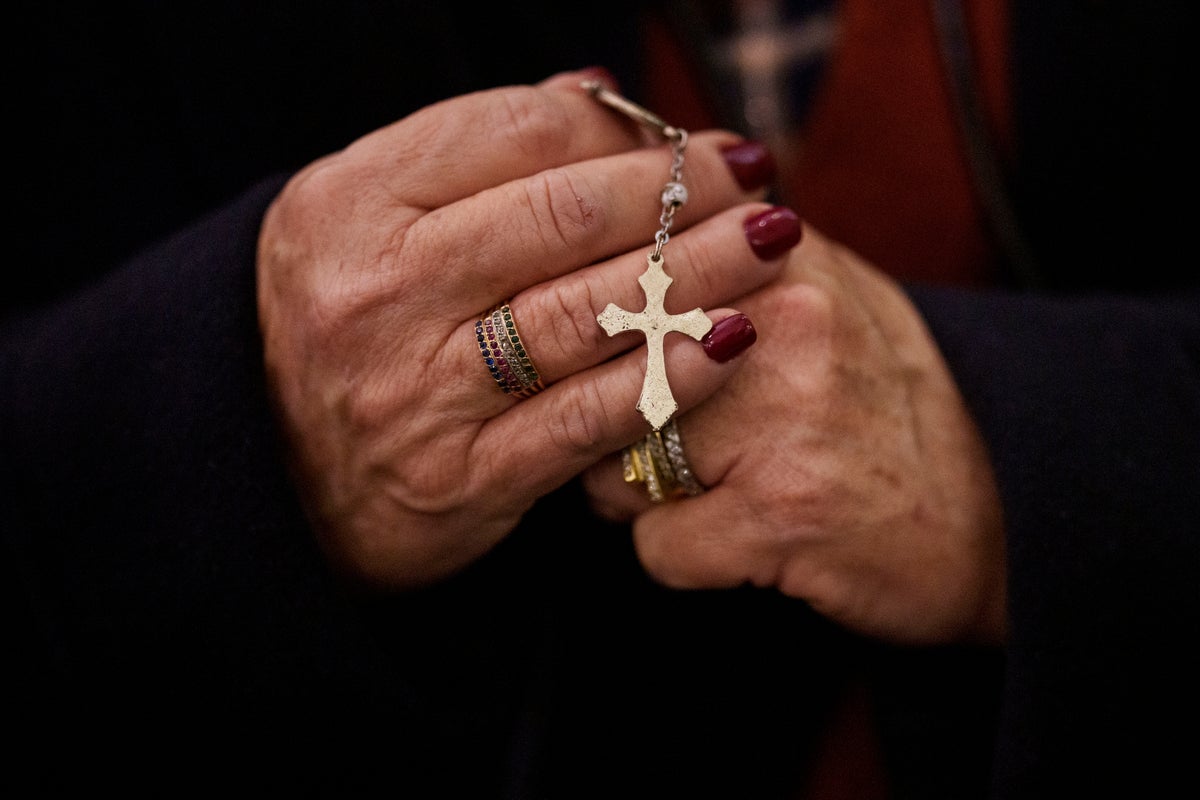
x=880, y=166
x=880, y=162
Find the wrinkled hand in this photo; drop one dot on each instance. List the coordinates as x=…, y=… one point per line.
x=841, y=464
x=375, y=262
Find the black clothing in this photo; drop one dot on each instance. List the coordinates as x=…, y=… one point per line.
x=163, y=592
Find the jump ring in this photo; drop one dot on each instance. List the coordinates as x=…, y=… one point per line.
x=504, y=353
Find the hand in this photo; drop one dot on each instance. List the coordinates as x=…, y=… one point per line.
x=375, y=262
x=841, y=464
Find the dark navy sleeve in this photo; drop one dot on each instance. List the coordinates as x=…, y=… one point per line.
x=1090, y=407
x=163, y=592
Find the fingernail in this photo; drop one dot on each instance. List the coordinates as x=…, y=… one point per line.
x=773, y=232
x=729, y=337
x=603, y=75
x=751, y=164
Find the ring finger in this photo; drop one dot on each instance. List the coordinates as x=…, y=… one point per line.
x=716, y=261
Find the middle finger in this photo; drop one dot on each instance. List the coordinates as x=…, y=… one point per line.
x=502, y=240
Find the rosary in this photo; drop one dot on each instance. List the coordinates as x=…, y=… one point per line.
x=656, y=402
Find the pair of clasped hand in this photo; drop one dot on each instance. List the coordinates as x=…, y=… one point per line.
x=838, y=461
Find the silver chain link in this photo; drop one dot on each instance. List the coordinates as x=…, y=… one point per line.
x=674, y=194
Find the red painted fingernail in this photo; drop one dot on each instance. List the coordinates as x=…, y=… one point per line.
x=751, y=164
x=729, y=338
x=773, y=232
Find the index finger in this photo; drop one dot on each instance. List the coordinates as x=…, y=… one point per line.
x=459, y=146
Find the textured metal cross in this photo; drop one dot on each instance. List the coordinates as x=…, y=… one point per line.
x=656, y=403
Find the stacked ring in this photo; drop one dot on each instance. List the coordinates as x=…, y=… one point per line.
x=657, y=460
x=679, y=463
x=504, y=353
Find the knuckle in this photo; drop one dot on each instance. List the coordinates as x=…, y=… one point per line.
x=334, y=330
x=330, y=312
x=401, y=476
x=430, y=487
x=705, y=270
x=563, y=208
x=313, y=187
x=577, y=422
x=529, y=122
x=367, y=409
x=306, y=255
x=811, y=308
x=325, y=196
x=568, y=303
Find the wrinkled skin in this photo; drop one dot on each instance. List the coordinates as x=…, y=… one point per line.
x=375, y=262
x=841, y=464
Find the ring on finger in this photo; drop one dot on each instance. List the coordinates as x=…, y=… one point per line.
x=658, y=461
x=504, y=353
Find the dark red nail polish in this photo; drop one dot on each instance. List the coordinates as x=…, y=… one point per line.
x=773, y=232
x=751, y=164
x=729, y=337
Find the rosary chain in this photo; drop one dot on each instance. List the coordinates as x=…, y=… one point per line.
x=674, y=192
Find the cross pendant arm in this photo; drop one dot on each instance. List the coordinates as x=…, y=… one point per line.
x=656, y=403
